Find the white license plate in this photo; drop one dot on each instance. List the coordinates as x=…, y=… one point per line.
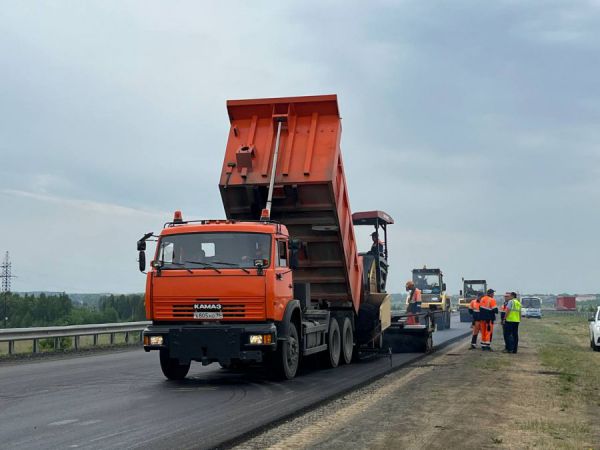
x=208, y=315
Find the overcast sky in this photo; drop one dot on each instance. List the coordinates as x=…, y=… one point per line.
x=474, y=124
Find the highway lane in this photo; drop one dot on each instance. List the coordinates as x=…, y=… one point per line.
x=122, y=400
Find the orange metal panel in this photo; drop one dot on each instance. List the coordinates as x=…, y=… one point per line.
x=312, y=198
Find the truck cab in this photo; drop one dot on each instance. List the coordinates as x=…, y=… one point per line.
x=433, y=294
x=232, y=278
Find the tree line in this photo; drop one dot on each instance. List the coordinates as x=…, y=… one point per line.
x=58, y=310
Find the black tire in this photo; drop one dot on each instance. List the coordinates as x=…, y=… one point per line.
x=347, y=338
x=440, y=321
x=448, y=319
x=426, y=346
x=171, y=368
x=334, y=344
x=286, y=359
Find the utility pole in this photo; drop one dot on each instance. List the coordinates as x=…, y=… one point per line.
x=6, y=275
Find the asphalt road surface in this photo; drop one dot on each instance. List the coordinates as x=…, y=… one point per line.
x=122, y=400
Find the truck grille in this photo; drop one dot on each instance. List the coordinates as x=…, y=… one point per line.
x=233, y=308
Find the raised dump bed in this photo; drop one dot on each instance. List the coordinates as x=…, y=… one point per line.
x=310, y=195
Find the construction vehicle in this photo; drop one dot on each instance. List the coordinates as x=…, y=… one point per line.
x=281, y=277
x=433, y=295
x=471, y=290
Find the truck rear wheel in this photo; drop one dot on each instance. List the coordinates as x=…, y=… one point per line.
x=347, y=341
x=286, y=360
x=171, y=368
x=334, y=344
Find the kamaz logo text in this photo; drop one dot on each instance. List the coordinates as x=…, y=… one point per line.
x=208, y=307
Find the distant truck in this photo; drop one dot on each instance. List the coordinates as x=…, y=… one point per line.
x=470, y=291
x=280, y=278
x=433, y=295
x=531, y=307
x=566, y=303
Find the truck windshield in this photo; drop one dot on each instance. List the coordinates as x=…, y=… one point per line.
x=529, y=302
x=428, y=283
x=474, y=290
x=214, y=250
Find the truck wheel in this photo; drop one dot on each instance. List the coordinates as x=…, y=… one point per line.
x=347, y=341
x=287, y=357
x=334, y=344
x=171, y=368
x=449, y=318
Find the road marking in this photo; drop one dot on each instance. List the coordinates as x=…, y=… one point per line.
x=63, y=422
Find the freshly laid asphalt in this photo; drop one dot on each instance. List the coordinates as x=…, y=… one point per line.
x=121, y=399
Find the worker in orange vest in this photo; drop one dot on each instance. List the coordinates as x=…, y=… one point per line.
x=413, y=302
x=476, y=325
x=487, y=314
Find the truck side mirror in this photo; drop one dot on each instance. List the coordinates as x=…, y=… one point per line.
x=258, y=263
x=444, y=287
x=461, y=293
x=142, y=260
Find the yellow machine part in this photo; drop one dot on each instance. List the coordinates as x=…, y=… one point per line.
x=384, y=302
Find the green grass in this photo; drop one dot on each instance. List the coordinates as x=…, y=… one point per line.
x=563, y=346
x=489, y=361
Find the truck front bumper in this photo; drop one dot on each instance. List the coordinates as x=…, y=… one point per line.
x=211, y=343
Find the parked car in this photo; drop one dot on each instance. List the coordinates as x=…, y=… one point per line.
x=595, y=331
x=531, y=307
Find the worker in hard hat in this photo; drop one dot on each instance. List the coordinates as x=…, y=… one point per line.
x=377, y=247
x=487, y=314
x=476, y=324
x=513, y=318
x=413, y=302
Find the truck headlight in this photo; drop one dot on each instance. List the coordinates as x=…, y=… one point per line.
x=256, y=339
x=156, y=340
x=260, y=339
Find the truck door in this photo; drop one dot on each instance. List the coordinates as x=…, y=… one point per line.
x=283, y=276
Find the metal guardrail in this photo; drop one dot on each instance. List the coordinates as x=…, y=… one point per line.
x=11, y=335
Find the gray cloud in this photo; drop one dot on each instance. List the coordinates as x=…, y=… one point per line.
x=474, y=125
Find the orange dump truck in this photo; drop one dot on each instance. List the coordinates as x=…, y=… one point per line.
x=280, y=278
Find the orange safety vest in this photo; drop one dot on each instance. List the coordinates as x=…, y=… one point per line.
x=488, y=308
x=474, y=307
x=415, y=297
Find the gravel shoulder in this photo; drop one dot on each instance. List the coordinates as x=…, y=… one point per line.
x=460, y=398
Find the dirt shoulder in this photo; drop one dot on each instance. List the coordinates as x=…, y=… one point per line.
x=462, y=398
